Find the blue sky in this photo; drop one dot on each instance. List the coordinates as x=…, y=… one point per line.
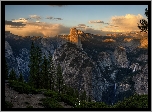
x=76, y=15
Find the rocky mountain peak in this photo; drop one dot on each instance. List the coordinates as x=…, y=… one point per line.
x=74, y=37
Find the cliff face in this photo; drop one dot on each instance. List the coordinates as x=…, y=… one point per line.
x=17, y=51
x=104, y=60
x=76, y=67
x=121, y=57
x=75, y=37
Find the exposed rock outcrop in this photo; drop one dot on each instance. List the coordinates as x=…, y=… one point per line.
x=121, y=57
x=76, y=67
x=74, y=37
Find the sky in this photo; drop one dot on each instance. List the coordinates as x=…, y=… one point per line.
x=51, y=20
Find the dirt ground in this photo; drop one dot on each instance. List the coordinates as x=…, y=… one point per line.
x=25, y=100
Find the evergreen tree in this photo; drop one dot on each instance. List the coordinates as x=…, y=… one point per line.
x=6, y=70
x=52, y=74
x=12, y=75
x=59, y=79
x=89, y=99
x=32, y=67
x=21, y=79
x=83, y=96
x=76, y=92
x=35, y=66
x=45, y=74
x=38, y=62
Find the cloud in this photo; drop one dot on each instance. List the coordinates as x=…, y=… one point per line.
x=93, y=31
x=14, y=24
x=49, y=17
x=35, y=17
x=106, y=23
x=81, y=25
x=39, y=29
x=20, y=20
x=96, y=21
x=123, y=23
x=58, y=18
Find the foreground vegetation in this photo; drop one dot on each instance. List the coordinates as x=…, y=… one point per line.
x=53, y=98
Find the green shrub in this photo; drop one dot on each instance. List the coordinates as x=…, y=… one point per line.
x=50, y=103
x=135, y=101
x=53, y=95
x=68, y=99
x=8, y=104
x=22, y=87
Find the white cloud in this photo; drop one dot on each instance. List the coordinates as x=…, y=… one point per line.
x=96, y=21
x=20, y=20
x=123, y=23
x=35, y=17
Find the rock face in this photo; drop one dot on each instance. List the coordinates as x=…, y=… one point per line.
x=104, y=60
x=8, y=50
x=76, y=67
x=121, y=57
x=10, y=58
x=74, y=37
x=17, y=51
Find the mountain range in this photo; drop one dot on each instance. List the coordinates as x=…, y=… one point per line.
x=107, y=68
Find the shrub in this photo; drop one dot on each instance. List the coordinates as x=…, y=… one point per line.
x=53, y=95
x=69, y=100
x=50, y=103
x=22, y=87
x=135, y=101
x=8, y=104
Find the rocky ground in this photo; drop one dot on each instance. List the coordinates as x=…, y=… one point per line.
x=25, y=100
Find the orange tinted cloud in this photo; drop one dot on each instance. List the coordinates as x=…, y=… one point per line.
x=39, y=29
x=124, y=23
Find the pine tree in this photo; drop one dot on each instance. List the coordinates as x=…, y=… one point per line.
x=52, y=74
x=21, y=79
x=32, y=65
x=59, y=79
x=45, y=74
x=76, y=93
x=35, y=66
x=6, y=70
x=83, y=96
x=38, y=62
x=12, y=75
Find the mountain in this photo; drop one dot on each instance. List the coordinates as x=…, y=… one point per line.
x=107, y=68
